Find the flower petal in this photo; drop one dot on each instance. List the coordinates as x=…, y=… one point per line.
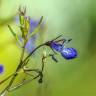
x=57, y=47
x=33, y=25
x=69, y=53
x=1, y=68
x=30, y=44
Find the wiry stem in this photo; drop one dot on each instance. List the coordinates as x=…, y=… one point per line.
x=14, y=76
x=24, y=62
x=46, y=43
x=23, y=83
x=32, y=53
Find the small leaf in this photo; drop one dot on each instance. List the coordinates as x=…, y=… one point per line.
x=21, y=19
x=22, y=30
x=37, y=28
x=27, y=23
x=53, y=57
x=14, y=34
x=11, y=30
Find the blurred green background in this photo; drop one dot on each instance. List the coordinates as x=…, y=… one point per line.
x=74, y=19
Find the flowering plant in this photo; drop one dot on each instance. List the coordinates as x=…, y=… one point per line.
x=29, y=29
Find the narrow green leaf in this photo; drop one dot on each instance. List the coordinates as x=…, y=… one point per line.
x=37, y=28
x=21, y=19
x=14, y=34
x=11, y=30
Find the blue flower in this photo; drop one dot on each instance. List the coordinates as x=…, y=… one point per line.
x=1, y=68
x=69, y=53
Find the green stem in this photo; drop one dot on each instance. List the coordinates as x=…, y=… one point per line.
x=14, y=76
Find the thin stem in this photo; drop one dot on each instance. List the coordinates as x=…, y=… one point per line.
x=14, y=76
x=29, y=74
x=46, y=43
x=23, y=83
x=7, y=78
x=34, y=70
x=21, y=59
x=32, y=53
x=22, y=63
x=43, y=58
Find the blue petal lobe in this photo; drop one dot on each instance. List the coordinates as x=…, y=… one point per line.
x=69, y=53
x=30, y=44
x=1, y=68
x=57, y=47
x=33, y=24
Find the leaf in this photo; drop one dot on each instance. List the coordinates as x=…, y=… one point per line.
x=37, y=28
x=27, y=23
x=25, y=27
x=14, y=34
x=53, y=57
x=21, y=19
x=11, y=30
